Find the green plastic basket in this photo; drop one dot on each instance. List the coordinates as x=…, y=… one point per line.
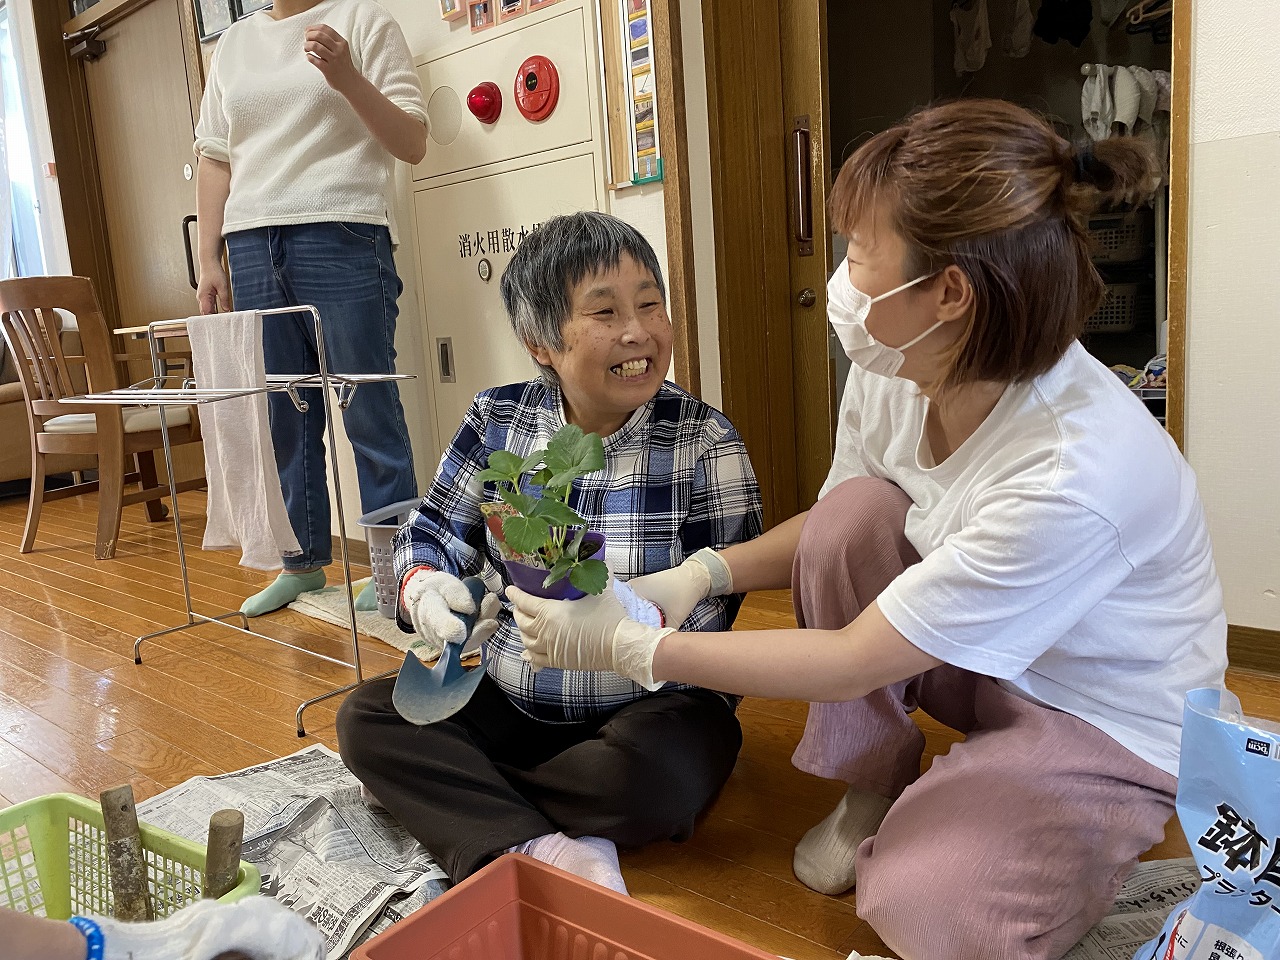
x=53, y=862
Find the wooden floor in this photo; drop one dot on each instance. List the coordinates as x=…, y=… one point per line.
x=77, y=714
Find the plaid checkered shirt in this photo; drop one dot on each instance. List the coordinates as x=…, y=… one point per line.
x=676, y=479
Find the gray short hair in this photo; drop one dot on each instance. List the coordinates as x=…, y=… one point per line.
x=537, y=286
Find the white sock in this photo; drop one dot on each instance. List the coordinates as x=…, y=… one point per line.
x=370, y=801
x=591, y=858
x=824, y=858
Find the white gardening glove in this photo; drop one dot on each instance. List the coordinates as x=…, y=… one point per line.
x=593, y=633
x=486, y=624
x=258, y=927
x=678, y=590
x=433, y=599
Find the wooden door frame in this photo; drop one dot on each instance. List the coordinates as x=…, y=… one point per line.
x=749, y=196
x=668, y=54
x=1179, y=220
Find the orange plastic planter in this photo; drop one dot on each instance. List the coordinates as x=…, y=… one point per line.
x=519, y=909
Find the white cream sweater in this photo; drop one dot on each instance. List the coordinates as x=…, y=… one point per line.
x=298, y=151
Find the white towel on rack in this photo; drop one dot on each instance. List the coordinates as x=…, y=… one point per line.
x=1097, y=108
x=1149, y=91
x=1160, y=120
x=1126, y=95
x=246, y=505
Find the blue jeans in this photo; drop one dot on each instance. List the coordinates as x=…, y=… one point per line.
x=344, y=270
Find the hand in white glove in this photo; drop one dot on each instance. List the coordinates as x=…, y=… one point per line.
x=433, y=599
x=258, y=927
x=678, y=590
x=593, y=633
x=486, y=624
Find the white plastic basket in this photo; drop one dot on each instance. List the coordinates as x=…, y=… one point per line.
x=380, y=528
x=1118, y=312
x=1119, y=237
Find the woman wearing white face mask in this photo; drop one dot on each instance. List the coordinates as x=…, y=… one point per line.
x=1007, y=539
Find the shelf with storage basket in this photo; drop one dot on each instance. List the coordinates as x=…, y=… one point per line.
x=1123, y=252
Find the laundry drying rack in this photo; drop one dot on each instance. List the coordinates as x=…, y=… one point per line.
x=165, y=390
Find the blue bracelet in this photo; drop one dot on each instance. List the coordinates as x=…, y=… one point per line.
x=93, y=934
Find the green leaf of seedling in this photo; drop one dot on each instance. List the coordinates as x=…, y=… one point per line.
x=494, y=476
x=524, y=503
x=525, y=534
x=507, y=463
x=558, y=572
x=589, y=454
x=540, y=478
x=575, y=544
x=590, y=576
x=564, y=479
x=561, y=450
x=556, y=513
x=533, y=461
x=555, y=464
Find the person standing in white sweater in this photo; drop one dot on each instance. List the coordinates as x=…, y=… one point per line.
x=308, y=106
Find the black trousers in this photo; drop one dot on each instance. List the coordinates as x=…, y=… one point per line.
x=491, y=777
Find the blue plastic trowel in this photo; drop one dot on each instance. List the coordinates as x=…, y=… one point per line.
x=425, y=694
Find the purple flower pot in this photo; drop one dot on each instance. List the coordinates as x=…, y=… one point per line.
x=529, y=579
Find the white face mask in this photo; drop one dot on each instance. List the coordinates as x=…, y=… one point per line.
x=847, y=311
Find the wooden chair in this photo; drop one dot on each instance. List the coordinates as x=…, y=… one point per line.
x=32, y=327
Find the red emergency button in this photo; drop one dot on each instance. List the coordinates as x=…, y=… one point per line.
x=537, y=88
x=485, y=101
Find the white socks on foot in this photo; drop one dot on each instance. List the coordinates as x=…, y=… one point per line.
x=591, y=858
x=823, y=859
x=370, y=801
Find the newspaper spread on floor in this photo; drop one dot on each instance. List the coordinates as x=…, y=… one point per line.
x=354, y=873
x=321, y=851
x=1140, y=910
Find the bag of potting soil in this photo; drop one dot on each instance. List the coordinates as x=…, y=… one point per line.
x=1229, y=807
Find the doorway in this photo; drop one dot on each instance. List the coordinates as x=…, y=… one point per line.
x=887, y=62
x=824, y=76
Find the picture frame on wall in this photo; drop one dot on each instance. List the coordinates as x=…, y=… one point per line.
x=452, y=9
x=539, y=4
x=510, y=9
x=213, y=17
x=645, y=160
x=245, y=7
x=631, y=107
x=480, y=14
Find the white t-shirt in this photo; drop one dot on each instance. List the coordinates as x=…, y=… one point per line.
x=298, y=151
x=1065, y=548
